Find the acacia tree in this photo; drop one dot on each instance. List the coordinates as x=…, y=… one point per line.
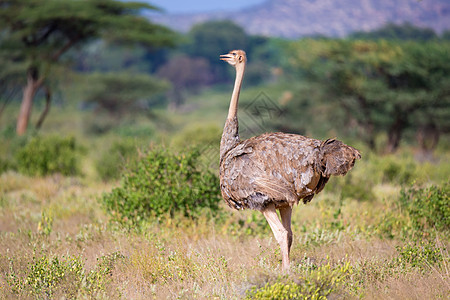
x=40, y=32
x=10, y=82
x=383, y=86
x=185, y=73
x=120, y=92
x=211, y=38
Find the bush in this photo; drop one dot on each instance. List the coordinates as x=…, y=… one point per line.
x=356, y=187
x=398, y=170
x=163, y=182
x=10, y=144
x=198, y=134
x=427, y=207
x=48, y=277
x=5, y=165
x=44, y=275
x=112, y=162
x=316, y=284
x=47, y=155
x=421, y=255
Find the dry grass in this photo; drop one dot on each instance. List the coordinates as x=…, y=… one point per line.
x=183, y=259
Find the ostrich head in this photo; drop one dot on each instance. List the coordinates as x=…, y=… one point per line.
x=235, y=57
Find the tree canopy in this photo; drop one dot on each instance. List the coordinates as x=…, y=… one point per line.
x=118, y=93
x=210, y=39
x=383, y=86
x=39, y=32
x=392, y=31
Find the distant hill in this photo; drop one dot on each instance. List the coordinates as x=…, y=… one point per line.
x=337, y=18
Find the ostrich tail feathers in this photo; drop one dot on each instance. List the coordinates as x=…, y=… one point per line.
x=336, y=158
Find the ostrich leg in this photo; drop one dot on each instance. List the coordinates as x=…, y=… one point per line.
x=280, y=232
x=285, y=214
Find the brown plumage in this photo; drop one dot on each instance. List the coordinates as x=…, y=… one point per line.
x=275, y=170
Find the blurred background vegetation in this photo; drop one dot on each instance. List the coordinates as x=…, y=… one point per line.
x=130, y=113
x=106, y=71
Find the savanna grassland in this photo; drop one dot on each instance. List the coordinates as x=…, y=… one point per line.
x=109, y=145
x=380, y=232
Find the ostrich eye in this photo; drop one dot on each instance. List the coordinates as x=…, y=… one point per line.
x=234, y=53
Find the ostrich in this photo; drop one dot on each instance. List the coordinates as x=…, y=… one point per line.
x=275, y=170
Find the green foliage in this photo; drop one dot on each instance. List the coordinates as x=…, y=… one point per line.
x=378, y=86
x=392, y=31
x=163, y=182
x=395, y=171
x=417, y=213
x=44, y=274
x=427, y=208
x=97, y=279
x=44, y=155
x=5, y=165
x=117, y=93
x=100, y=56
x=424, y=258
x=112, y=162
x=51, y=24
x=135, y=130
x=36, y=34
x=11, y=79
x=48, y=277
x=185, y=73
x=197, y=135
x=445, y=35
x=356, y=188
x=45, y=225
x=318, y=283
x=421, y=255
x=210, y=39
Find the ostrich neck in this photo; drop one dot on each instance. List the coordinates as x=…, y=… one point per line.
x=232, y=111
x=230, y=135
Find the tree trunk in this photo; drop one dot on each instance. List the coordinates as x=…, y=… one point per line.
x=370, y=135
x=48, y=100
x=395, y=134
x=33, y=84
x=427, y=137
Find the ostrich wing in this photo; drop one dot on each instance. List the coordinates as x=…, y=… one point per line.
x=271, y=168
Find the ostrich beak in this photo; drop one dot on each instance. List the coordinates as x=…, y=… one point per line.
x=225, y=57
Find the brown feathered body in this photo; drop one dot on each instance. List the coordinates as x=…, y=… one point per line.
x=278, y=168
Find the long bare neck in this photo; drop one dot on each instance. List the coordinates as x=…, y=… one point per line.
x=232, y=111
x=230, y=135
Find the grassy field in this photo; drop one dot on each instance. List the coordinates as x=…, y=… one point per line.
x=56, y=241
x=380, y=232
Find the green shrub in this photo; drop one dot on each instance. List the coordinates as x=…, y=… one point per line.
x=98, y=278
x=357, y=188
x=163, y=182
x=45, y=225
x=47, y=155
x=427, y=208
x=10, y=144
x=44, y=275
x=319, y=283
x=197, y=134
x=5, y=165
x=397, y=170
x=421, y=255
x=130, y=129
x=112, y=162
x=47, y=277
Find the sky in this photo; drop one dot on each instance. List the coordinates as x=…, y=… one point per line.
x=194, y=6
